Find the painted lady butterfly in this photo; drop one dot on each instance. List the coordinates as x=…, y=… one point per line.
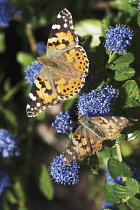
x=64, y=67
x=90, y=134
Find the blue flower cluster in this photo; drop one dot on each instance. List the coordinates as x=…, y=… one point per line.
x=64, y=174
x=4, y=181
x=7, y=12
x=118, y=38
x=8, y=146
x=98, y=102
x=107, y=205
x=32, y=71
x=41, y=47
x=63, y=122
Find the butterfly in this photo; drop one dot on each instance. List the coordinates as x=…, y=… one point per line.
x=64, y=69
x=90, y=134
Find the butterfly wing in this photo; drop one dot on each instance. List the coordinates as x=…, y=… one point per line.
x=110, y=126
x=42, y=95
x=62, y=35
x=83, y=143
x=88, y=137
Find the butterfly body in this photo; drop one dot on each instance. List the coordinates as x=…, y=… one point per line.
x=90, y=134
x=64, y=67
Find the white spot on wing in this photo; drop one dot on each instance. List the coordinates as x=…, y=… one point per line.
x=32, y=97
x=55, y=26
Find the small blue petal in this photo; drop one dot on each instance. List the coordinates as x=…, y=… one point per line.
x=118, y=38
x=4, y=181
x=110, y=180
x=98, y=102
x=41, y=48
x=107, y=205
x=8, y=146
x=32, y=71
x=7, y=12
x=64, y=174
x=63, y=122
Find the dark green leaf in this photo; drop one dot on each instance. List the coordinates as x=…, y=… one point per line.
x=109, y=194
x=93, y=163
x=116, y=168
x=134, y=203
x=121, y=207
x=124, y=74
x=10, y=117
x=120, y=191
x=121, y=61
x=131, y=89
x=10, y=196
x=138, y=18
x=2, y=42
x=43, y=181
x=132, y=186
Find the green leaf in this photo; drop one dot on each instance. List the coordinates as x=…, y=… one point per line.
x=116, y=168
x=91, y=27
x=9, y=116
x=134, y=203
x=43, y=181
x=18, y=189
x=120, y=140
x=2, y=43
x=138, y=18
x=131, y=89
x=109, y=194
x=119, y=62
x=25, y=59
x=125, y=6
x=124, y=74
x=121, y=207
x=120, y=191
x=93, y=163
x=124, y=60
x=10, y=196
x=132, y=186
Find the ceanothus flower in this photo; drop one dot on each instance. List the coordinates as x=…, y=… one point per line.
x=41, y=47
x=4, y=181
x=7, y=12
x=63, y=122
x=64, y=174
x=98, y=102
x=8, y=144
x=118, y=39
x=107, y=205
x=32, y=71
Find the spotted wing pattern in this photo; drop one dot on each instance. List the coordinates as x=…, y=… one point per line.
x=64, y=67
x=90, y=134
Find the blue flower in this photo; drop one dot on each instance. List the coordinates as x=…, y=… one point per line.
x=40, y=47
x=107, y=205
x=32, y=71
x=63, y=122
x=64, y=174
x=118, y=39
x=4, y=181
x=8, y=146
x=7, y=12
x=110, y=180
x=138, y=5
x=98, y=102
